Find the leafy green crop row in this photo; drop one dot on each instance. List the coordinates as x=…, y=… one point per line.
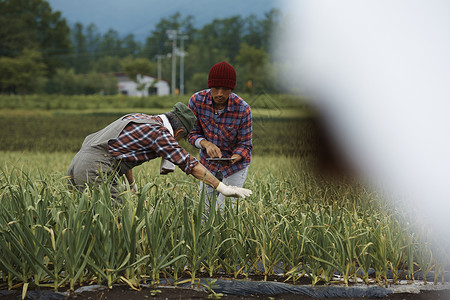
x=293, y=223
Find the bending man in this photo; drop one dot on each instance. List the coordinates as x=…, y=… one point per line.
x=134, y=139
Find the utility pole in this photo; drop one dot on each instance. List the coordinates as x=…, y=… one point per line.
x=172, y=34
x=158, y=58
x=182, y=54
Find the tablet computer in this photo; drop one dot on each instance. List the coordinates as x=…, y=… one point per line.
x=220, y=159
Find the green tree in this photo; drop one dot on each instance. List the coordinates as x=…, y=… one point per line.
x=253, y=32
x=101, y=54
x=93, y=41
x=259, y=33
x=250, y=68
x=197, y=82
x=22, y=74
x=111, y=43
x=31, y=24
x=96, y=83
x=67, y=82
x=133, y=66
x=222, y=34
x=108, y=64
x=268, y=25
x=81, y=57
x=158, y=42
x=130, y=47
x=201, y=58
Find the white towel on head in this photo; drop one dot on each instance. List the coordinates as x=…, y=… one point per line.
x=166, y=166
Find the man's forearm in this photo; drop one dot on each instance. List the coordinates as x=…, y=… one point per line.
x=201, y=173
x=203, y=143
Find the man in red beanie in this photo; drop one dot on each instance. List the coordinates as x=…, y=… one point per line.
x=223, y=128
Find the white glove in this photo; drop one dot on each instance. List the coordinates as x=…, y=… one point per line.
x=233, y=191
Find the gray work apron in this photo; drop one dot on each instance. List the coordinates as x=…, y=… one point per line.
x=93, y=164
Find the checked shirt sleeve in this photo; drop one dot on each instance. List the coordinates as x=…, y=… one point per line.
x=244, y=144
x=168, y=148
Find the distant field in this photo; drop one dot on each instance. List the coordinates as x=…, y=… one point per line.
x=281, y=124
x=121, y=102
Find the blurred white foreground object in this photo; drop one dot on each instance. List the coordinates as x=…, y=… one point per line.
x=379, y=71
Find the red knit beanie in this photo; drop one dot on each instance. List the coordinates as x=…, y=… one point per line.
x=222, y=75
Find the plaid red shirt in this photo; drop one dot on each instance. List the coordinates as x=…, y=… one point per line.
x=230, y=130
x=140, y=142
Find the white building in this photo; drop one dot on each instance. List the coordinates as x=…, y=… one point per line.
x=143, y=86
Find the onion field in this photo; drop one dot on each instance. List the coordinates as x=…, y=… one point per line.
x=296, y=225
x=293, y=225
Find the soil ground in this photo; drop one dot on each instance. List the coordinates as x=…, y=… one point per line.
x=123, y=292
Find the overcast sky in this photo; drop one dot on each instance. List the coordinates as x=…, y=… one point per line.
x=140, y=16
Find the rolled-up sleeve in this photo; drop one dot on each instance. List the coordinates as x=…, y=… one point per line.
x=197, y=131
